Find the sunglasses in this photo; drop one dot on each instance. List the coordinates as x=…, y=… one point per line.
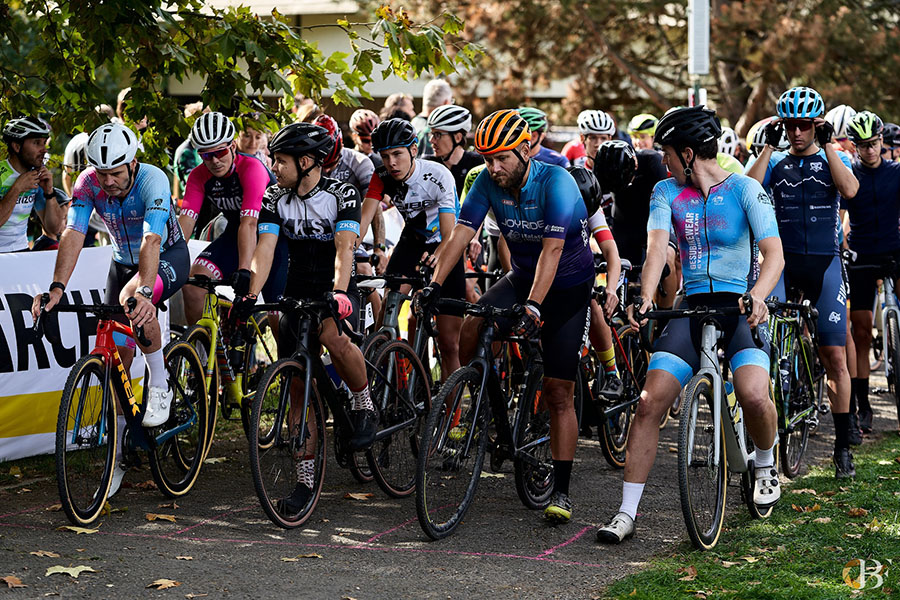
x=436, y=135
x=801, y=124
x=365, y=139
x=215, y=153
x=867, y=145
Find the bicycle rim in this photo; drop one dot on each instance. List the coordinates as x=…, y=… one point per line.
x=199, y=337
x=85, y=442
x=893, y=357
x=799, y=408
x=533, y=463
x=262, y=351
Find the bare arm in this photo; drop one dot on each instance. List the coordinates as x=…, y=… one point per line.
x=545, y=272
x=70, y=244
x=844, y=179
x=503, y=254
x=148, y=261
x=758, y=170
x=369, y=208
x=453, y=246
x=261, y=263
x=25, y=181
x=447, y=223
x=246, y=241
x=344, y=242
x=187, y=224
x=610, y=253
x=378, y=229
x=769, y=274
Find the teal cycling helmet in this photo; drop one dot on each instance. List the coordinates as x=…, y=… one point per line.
x=535, y=117
x=800, y=103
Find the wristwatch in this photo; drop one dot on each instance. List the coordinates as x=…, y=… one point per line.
x=146, y=292
x=381, y=247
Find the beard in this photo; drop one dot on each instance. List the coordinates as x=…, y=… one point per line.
x=513, y=180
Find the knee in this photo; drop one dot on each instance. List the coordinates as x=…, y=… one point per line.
x=651, y=406
x=449, y=344
x=558, y=398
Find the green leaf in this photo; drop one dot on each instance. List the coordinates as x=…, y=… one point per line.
x=336, y=62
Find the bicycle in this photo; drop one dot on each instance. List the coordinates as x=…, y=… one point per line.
x=798, y=378
x=86, y=427
x=242, y=352
x=280, y=436
x=713, y=438
x=456, y=432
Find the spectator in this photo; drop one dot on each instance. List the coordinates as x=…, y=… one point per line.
x=437, y=92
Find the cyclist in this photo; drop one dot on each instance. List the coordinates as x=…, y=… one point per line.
x=150, y=256
x=234, y=183
x=425, y=194
x=642, y=128
x=362, y=123
x=594, y=127
x=538, y=125
x=890, y=144
x=319, y=219
x=728, y=142
x=839, y=117
x=345, y=164
x=807, y=183
x=544, y=221
x=26, y=183
x=874, y=237
x=713, y=213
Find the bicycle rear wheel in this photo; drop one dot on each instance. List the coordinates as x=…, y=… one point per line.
x=893, y=357
x=199, y=337
x=279, y=445
x=402, y=398
x=453, y=449
x=262, y=351
x=701, y=474
x=631, y=361
x=85, y=441
x=533, y=462
x=799, y=407
x=180, y=446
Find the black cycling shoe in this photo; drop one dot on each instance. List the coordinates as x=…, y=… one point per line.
x=843, y=464
x=294, y=503
x=365, y=425
x=613, y=388
x=854, y=435
x=865, y=420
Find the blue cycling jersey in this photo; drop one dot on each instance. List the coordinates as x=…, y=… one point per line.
x=147, y=209
x=549, y=205
x=806, y=202
x=714, y=234
x=546, y=155
x=875, y=210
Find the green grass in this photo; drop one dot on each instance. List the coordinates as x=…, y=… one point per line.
x=25, y=469
x=793, y=555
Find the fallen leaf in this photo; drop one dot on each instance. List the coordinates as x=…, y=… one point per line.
x=805, y=491
x=310, y=555
x=633, y=592
x=78, y=530
x=485, y=474
x=184, y=558
x=12, y=581
x=750, y=559
x=156, y=517
x=829, y=493
x=146, y=485
x=857, y=512
x=171, y=505
x=54, y=508
x=691, y=573
x=121, y=509
x=804, y=509
x=191, y=596
x=727, y=564
x=15, y=472
x=364, y=496
x=45, y=553
x=822, y=520
x=289, y=559
x=853, y=536
x=874, y=525
x=216, y=460
x=80, y=549
x=164, y=584
x=70, y=571
x=897, y=459
x=754, y=582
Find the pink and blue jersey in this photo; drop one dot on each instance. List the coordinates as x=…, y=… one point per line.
x=714, y=235
x=238, y=194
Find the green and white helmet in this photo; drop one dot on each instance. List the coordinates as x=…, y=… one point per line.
x=535, y=117
x=864, y=126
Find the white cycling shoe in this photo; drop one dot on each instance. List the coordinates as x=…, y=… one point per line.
x=767, y=490
x=159, y=403
x=618, y=530
x=117, y=476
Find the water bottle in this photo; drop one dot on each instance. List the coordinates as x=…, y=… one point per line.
x=784, y=373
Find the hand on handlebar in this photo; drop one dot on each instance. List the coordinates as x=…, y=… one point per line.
x=529, y=325
x=54, y=297
x=641, y=307
x=755, y=308
x=610, y=303
x=426, y=298
x=242, y=307
x=381, y=262
x=142, y=313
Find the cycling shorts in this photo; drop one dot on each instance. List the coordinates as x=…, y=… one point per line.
x=406, y=257
x=289, y=326
x=821, y=281
x=566, y=318
x=220, y=258
x=864, y=282
x=676, y=351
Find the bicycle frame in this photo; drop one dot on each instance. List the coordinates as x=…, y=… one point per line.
x=890, y=306
x=784, y=331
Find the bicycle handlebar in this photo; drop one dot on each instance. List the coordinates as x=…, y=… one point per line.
x=101, y=310
x=316, y=307
x=701, y=311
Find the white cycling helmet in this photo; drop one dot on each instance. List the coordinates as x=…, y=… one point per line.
x=210, y=130
x=595, y=121
x=75, y=156
x=450, y=118
x=839, y=117
x=25, y=127
x=111, y=146
x=728, y=141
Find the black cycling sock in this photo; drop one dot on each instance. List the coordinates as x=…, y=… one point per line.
x=854, y=393
x=841, y=430
x=562, y=473
x=862, y=396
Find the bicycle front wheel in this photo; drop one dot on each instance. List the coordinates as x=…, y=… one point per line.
x=631, y=362
x=85, y=441
x=533, y=463
x=452, y=453
x=199, y=337
x=893, y=357
x=287, y=444
x=799, y=407
x=701, y=473
x=262, y=351
x=179, y=450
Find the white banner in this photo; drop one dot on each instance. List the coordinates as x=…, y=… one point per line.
x=33, y=372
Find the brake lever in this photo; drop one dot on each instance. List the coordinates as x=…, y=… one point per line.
x=131, y=303
x=38, y=326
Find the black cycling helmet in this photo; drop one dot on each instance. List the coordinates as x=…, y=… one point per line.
x=299, y=139
x=891, y=134
x=687, y=127
x=393, y=133
x=589, y=188
x=615, y=165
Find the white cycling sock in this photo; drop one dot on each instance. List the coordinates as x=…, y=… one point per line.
x=306, y=472
x=157, y=368
x=765, y=458
x=631, y=497
x=120, y=437
x=362, y=400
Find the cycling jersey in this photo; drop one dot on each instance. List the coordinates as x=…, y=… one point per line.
x=598, y=226
x=714, y=234
x=549, y=205
x=14, y=233
x=631, y=206
x=875, y=210
x=546, y=155
x=460, y=170
x=146, y=209
x=186, y=160
x=427, y=193
x=729, y=163
x=806, y=202
x=490, y=223
x=354, y=168
x=309, y=223
x=238, y=194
